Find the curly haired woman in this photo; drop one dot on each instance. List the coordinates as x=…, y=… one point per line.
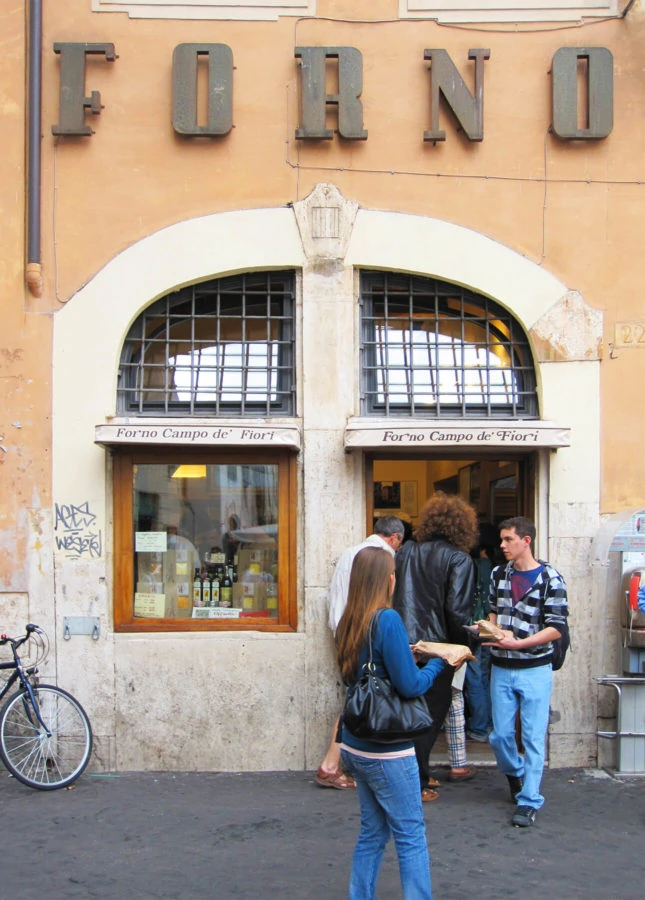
x=434, y=594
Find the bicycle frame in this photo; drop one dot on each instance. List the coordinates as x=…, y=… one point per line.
x=22, y=675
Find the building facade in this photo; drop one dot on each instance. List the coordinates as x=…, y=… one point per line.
x=271, y=270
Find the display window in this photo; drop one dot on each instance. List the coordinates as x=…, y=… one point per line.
x=204, y=541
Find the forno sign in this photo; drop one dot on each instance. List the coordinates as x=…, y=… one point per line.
x=446, y=85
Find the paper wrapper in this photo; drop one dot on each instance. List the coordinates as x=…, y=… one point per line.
x=489, y=631
x=454, y=654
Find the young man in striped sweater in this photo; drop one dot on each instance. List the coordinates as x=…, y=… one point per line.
x=528, y=601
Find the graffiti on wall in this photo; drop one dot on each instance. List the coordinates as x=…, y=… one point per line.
x=76, y=531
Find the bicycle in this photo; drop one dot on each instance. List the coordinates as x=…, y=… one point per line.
x=45, y=734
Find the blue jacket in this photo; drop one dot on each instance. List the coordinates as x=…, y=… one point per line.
x=393, y=658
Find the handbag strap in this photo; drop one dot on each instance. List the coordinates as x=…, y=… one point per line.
x=370, y=634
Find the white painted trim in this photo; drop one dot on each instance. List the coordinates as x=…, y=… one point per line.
x=224, y=243
x=234, y=10
x=424, y=246
x=506, y=10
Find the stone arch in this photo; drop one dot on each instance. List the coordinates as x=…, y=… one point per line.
x=89, y=332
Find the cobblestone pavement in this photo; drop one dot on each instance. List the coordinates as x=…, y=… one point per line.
x=277, y=835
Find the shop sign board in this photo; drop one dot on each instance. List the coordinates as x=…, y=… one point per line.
x=492, y=434
x=197, y=434
x=446, y=83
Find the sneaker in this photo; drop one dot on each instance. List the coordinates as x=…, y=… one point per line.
x=515, y=783
x=524, y=816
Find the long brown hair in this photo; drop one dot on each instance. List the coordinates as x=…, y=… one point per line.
x=369, y=590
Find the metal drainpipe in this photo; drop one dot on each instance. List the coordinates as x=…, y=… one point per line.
x=33, y=270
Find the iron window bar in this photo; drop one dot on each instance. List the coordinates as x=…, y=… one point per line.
x=221, y=347
x=431, y=348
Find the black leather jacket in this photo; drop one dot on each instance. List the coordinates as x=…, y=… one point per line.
x=435, y=591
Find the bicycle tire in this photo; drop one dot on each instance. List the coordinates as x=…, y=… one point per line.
x=42, y=762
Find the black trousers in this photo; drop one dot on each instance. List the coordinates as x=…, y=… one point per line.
x=438, y=699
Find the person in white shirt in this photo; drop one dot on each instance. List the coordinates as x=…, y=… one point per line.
x=388, y=535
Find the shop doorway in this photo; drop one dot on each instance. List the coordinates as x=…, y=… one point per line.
x=496, y=486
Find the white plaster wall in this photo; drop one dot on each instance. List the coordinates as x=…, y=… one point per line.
x=88, y=335
x=140, y=691
x=386, y=240
x=333, y=501
x=573, y=521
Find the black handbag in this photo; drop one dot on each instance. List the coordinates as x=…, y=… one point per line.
x=375, y=711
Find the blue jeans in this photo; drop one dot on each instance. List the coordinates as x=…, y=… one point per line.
x=528, y=690
x=477, y=692
x=390, y=800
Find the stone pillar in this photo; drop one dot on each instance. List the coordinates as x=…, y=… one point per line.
x=333, y=495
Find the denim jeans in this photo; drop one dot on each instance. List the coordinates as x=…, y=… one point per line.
x=477, y=693
x=528, y=690
x=390, y=801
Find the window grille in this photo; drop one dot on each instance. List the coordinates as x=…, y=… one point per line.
x=430, y=348
x=223, y=347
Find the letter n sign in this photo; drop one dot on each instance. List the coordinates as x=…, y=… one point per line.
x=185, y=60
x=591, y=68
x=446, y=81
x=315, y=98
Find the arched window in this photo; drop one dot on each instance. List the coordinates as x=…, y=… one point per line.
x=203, y=534
x=221, y=347
x=431, y=348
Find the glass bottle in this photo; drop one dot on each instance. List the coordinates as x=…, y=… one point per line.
x=206, y=592
x=215, y=589
x=197, y=589
x=226, y=590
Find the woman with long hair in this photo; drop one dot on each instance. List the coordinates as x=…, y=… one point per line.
x=387, y=775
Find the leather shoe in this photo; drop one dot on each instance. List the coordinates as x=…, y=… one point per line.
x=464, y=773
x=337, y=780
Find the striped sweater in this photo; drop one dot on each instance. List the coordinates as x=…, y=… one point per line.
x=543, y=605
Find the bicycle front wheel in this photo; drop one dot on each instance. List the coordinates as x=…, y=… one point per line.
x=50, y=757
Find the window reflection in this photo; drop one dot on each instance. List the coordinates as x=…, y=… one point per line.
x=205, y=540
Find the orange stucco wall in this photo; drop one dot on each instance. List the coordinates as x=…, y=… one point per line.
x=576, y=208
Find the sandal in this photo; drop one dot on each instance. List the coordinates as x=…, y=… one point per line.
x=337, y=780
x=428, y=795
x=433, y=783
x=464, y=773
